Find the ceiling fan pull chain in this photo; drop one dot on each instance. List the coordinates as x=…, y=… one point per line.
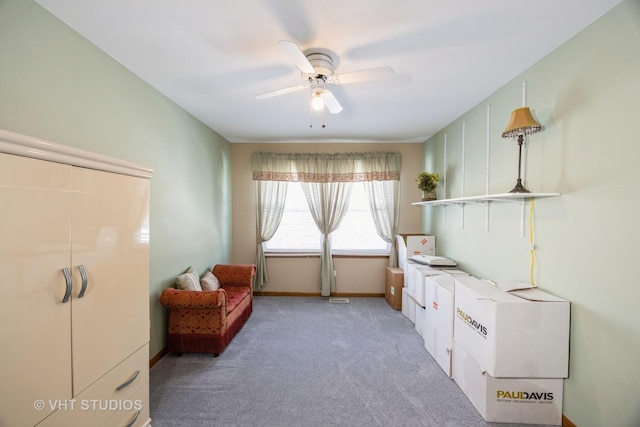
x=324, y=109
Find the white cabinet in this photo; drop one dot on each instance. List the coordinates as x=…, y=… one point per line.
x=63, y=343
x=109, y=236
x=34, y=247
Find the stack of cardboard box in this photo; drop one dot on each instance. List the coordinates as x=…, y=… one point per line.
x=409, y=245
x=422, y=276
x=505, y=345
x=510, y=350
x=438, y=331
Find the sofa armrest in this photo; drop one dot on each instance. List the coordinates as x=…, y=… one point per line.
x=235, y=274
x=175, y=298
x=195, y=312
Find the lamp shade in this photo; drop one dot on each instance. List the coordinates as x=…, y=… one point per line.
x=521, y=123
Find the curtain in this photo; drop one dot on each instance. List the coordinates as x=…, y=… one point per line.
x=326, y=182
x=384, y=205
x=322, y=167
x=270, y=199
x=384, y=198
x=327, y=186
x=328, y=203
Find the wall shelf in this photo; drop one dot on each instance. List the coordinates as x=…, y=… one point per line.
x=503, y=197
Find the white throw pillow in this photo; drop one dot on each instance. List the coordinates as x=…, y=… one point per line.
x=209, y=282
x=188, y=281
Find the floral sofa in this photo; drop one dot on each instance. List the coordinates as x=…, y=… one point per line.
x=207, y=321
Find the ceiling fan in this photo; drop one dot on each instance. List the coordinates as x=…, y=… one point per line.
x=318, y=70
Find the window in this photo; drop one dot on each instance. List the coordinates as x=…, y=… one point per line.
x=357, y=232
x=298, y=233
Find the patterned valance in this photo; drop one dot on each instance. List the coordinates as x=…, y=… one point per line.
x=323, y=167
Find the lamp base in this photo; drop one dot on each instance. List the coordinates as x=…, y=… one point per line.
x=519, y=188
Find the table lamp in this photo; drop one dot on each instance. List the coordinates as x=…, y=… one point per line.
x=521, y=123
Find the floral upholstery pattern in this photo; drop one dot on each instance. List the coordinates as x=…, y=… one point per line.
x=234, y=275
x=195, y=312
x=206, y=321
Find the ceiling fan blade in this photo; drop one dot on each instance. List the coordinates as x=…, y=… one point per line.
x=331, y=102
x=372, y=74
x=281, y=91
x=297, y=56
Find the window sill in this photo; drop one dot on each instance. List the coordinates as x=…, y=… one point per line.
x=317, y=255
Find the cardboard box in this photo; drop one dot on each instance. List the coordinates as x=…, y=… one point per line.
x=421, y=245
x=414, y=244
x=421, y=320
x=512, y=333
x=414, y=282
x=393, y=287
x=395, y=297
x=417, y=274
x=402, y=253
x=508, y=400
x=439, y=309
x=438, y=332
x=408, y=306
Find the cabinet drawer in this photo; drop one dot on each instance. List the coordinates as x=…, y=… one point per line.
x=129, y=375
x=137, y=416
x=101, y=401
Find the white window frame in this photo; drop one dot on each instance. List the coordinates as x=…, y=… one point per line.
x=360, y=195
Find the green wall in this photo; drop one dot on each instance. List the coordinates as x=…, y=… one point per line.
x=586, y=95
x=57, y=86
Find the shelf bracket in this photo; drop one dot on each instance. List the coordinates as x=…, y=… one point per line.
x=486, y=218
x=522, y=218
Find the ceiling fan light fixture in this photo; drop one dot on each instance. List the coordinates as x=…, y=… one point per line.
x=317, y=101
x=317, y=67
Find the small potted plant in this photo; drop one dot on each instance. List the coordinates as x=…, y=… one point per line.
x=427, y=182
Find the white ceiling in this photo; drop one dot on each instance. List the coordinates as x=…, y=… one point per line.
x=212, y=57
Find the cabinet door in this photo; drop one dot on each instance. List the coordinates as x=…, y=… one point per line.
x=110, y=241
x=35, y=245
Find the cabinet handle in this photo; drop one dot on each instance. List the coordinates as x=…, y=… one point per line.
x=129, y=381
x=83, y=275
x=67, y=279
x=133, y=420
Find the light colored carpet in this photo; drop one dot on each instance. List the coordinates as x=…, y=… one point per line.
x=308, y=362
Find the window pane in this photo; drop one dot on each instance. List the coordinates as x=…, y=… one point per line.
x=297, y=231
x=357, y=232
